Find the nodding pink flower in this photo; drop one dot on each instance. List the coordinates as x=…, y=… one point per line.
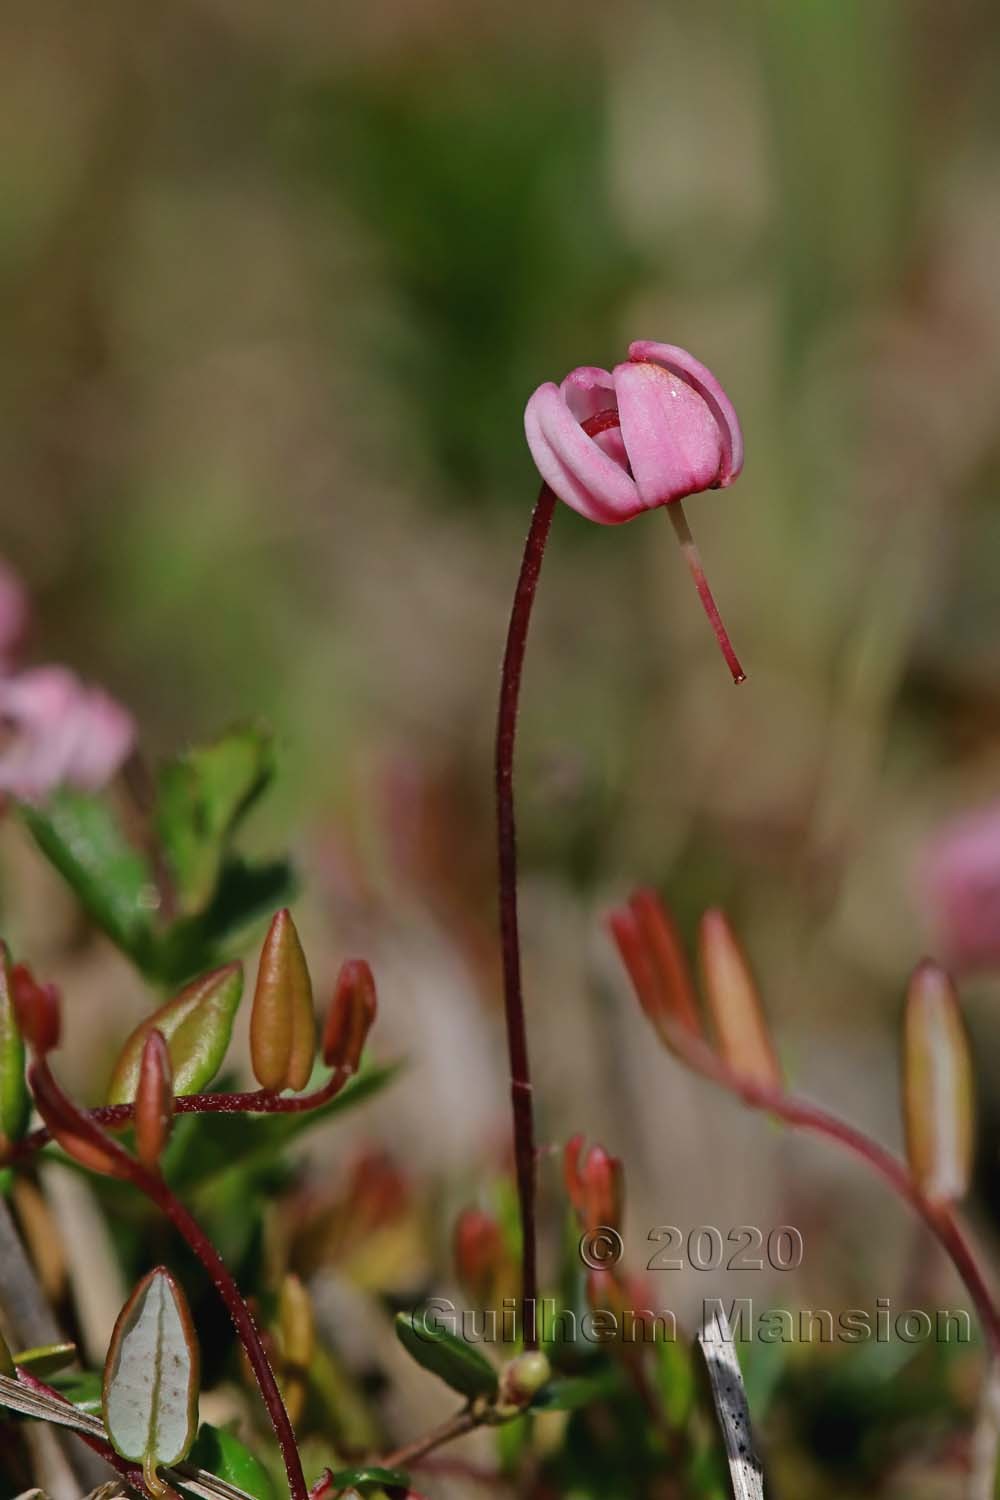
x=14, y=613
x=960, y=887
x=613, y=444
x=56, y=730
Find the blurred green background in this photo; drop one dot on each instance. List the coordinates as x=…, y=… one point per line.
x=276, y=283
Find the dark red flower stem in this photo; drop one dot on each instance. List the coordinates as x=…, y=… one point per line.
x=256, y=1102
x=45, y=1087
x=517, y=1037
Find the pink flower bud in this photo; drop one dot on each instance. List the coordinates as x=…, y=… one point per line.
x=350, y=1017
x=678, y=434
x=38, y=1010
x=55, y=731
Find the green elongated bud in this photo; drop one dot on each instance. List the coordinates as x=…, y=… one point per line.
x=734, y=1003
x=15, y=1104
x=196, y=1025
x=282, y=1023
x=151, y=1377
x=938, y=1108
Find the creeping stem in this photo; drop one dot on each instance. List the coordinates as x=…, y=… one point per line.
x=517, y=1037
x=45, y=1088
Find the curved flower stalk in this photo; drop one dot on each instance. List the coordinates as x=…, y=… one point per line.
x=937, y=1073
x=611, y=444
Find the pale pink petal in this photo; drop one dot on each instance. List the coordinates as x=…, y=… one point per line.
x=671, y=435
x=55, y=731
x=700, y=377
x=588, y=390
x=573, y=465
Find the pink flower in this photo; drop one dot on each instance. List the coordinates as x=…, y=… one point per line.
x=644, y=435
x=960, y=886
x=677, y=434
x=14, y=613
x=55, y=731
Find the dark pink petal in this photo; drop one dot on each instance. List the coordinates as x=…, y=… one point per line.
x=573, y=466
x=671, y=435
x=701, y=379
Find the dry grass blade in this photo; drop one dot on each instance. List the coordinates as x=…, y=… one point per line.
x=732, y=1409
x=195, y=1481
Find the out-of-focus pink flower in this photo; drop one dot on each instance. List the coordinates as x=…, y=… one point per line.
x=56, y=730
x=677, y=434
x=959, y=880
x=14, y=614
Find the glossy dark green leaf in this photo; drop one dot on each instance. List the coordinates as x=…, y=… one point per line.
x=15, y=1106
x=46, y=1360
x=81, y=1387
x=196, y=1024
x=113, y=880
x=455, y=1362
x=369, y=1476
x=222, y=1454
x=202, y=796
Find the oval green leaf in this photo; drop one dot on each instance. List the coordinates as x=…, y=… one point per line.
x=369, y=1476
x=47, y=1359
x=222, y=1454
x=450, y=1358
x=197, y=1025
x=151, y=1377
x=15, y=1106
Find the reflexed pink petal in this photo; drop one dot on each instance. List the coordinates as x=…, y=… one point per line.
x=573, y=465
x=671, y=435
x=700, y=377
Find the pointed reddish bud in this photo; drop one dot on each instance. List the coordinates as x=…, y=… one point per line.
x=282, y=1023
x=154, y=1101
x=676, y=992
x=603, y=1189
x=38, y=1010
x=350, y=1016
x=479, y=1254
x=937, y=1086
x=735, y=1005
x=79, y=1137
x=571, y=1171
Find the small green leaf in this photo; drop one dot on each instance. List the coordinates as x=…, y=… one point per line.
x=15, y=1106
x=203, y=794
x=81, y=836
x=368, y=1476
x=222, y=1454
x=83, y=1388
x=450, y=1358
x=47, y=1359
x=151, y=1377
x=196, y=1025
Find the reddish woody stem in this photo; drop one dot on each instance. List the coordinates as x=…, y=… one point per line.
x=258, y=1101
x=517, y=1037
x=44, y=1087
